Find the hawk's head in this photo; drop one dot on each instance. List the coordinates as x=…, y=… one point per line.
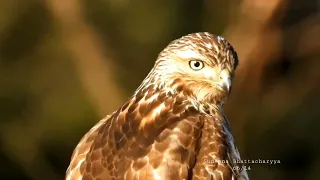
x=199, y=65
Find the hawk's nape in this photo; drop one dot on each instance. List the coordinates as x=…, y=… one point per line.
x=173, y=127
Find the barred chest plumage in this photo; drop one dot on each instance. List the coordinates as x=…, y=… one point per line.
x=160, y=133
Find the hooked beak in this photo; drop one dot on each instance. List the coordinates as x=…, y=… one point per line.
x=225, y=82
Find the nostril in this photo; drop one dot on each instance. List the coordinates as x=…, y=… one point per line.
x=221, y=77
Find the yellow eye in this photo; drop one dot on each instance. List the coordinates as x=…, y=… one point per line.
x=196, y=65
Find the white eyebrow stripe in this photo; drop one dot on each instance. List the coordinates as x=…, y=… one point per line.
x=189, y=54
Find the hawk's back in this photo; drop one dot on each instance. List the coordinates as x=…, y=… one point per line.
x=153, y=136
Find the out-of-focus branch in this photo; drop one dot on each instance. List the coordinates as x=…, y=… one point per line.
x=96, y=71
x=290, y=94
x=255, y=37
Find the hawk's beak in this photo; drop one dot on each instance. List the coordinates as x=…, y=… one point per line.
x=225, y=82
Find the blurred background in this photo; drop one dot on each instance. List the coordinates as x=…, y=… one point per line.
x=65, y=64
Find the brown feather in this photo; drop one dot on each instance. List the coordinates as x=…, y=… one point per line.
x=166, y=130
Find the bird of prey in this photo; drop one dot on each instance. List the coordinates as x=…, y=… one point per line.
x=173, y=127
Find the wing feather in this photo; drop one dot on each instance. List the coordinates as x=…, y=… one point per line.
x=127, y=145
x=81, y=150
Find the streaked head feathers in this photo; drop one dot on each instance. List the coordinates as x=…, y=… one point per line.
x=200, y=65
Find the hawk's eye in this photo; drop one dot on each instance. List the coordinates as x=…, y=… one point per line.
x=196, y=65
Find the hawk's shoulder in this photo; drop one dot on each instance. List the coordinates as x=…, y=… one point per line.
x=80, y=153
x=149, y=131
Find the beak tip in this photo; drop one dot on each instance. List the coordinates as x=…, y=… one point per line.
x=226, y=85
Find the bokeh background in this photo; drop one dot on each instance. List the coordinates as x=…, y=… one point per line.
x=65, y=64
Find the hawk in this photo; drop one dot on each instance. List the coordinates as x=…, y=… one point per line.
x=173, y=127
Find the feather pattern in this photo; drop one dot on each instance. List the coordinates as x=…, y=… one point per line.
x=173, y=127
